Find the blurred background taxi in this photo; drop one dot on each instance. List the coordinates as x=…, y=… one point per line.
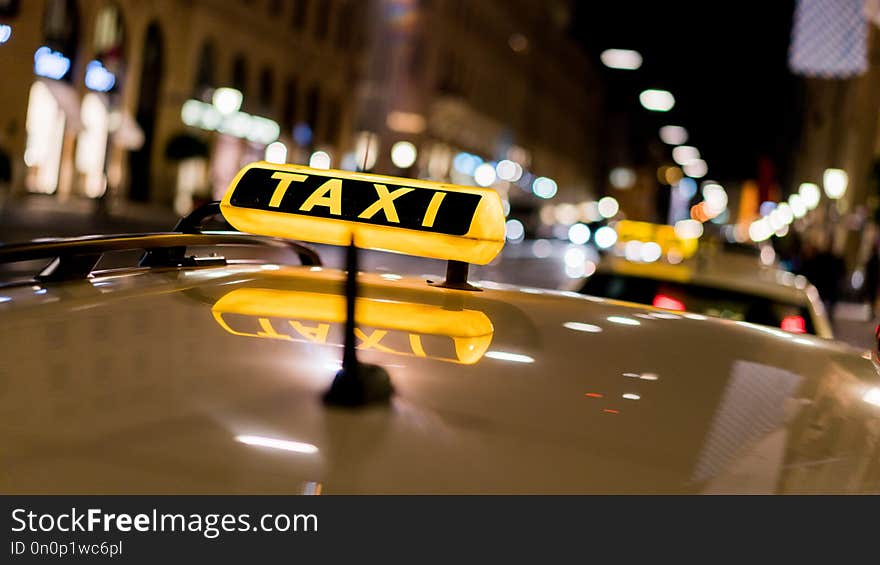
x=767, y=296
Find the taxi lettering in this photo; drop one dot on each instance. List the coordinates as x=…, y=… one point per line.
x=385, y=203
x=353, y=199
x=404, y=215
x=398, y=328
x=319, y=333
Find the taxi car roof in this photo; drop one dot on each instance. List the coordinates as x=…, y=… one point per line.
x=126, y=382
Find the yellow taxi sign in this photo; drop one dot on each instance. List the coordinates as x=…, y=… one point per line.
x=663, y=235
x=400, y=328
x=414, y=217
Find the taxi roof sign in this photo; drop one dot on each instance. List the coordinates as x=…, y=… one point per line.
x=414, y=217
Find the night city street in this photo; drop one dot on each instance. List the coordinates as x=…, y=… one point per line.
x=430, y=247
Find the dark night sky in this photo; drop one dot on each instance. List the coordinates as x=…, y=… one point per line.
x=726, y=65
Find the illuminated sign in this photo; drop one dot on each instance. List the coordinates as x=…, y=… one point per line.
x=50, y=64
x=408, y=216
x=663, y=235
x=98, y=78
x=399, y=328
x=258, y=129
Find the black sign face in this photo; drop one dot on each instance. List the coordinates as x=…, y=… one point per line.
x=400, y=206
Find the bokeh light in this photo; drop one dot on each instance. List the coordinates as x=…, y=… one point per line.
x=605, y=237
x=508, y=170
x=515, y=230
x=696, y=168
x=673, y=135
x=650, y=252
x=798, y=207
x=622, y=178
x=657, y=100
x=621, y=59
x=579, y=233
x=810, y=193
x=484, y=175
x=403, y=154
x=544, y=187
x=688, y=229
x=320, y=160
x=608, y=207
x=835, y=181
x=276, y=152
x=684, y=154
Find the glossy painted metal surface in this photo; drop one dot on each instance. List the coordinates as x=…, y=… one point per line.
x=128, y=383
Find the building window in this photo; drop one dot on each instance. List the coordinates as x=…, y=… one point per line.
x=60, y=22
x=239, y=74
x=447, y=80
x=108, y=30
x=313, y=101
x=267, y=91
x=300, y=14
x=322, y=19
x=109, y=49
x=344, y=25
x=276, y=7
x=417, y=57
x=61, y=30
x=291, y=95
x=8, y=8
x=333, y=119
x=205, y=80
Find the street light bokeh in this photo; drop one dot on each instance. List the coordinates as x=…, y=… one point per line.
x=227, y=100
x=657, y=100
x=684, y=154
x=605, y=237
x=485, y=175
x=403, y=154
x=798, y=206
x=544, y=187
x=673, y=135
x=622, y=178
x=785, y=213
x=696, y=168
x=810, y=193
x=276, y=152
x=688, y=229
x=320, y=160
x=579, y=233
x=608, y=207
x=760, y=230
x=835, y=181
x=621, y=59
x=715, y=198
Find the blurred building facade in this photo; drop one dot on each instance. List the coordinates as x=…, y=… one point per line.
x=840, y=131
x=114, y=97
x=68, y=136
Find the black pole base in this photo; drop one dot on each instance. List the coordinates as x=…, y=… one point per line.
x=367, y=384
x=456, y=277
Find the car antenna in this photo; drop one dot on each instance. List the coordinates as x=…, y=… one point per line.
x=356, y=383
